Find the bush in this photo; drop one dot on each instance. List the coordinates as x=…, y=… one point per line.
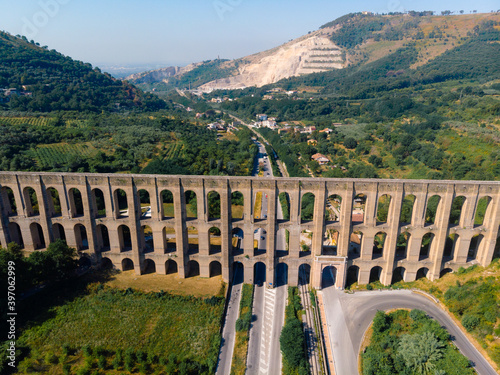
x=470, y=322
x=417, y=315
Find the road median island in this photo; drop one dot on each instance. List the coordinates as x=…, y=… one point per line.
x=238, y=365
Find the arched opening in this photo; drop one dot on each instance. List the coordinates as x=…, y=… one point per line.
x=260, y=206
x=237, y=205
x=330, y=242
x=37, y=236
x=328, y=277
x=149, y=266
x=358, y=209
x=431, y=209
x=425, y=247
x=284, y=199
x=106, y=264
x=193, y=240
x=378, y=245
x=307, y=207
x=121, y=202
x=167, y=204
x=82, y=242
x=125, y=238
x=31, y=200
x=475, y=243
x=375, y=274
x=333, y=207
x=193, y=268
x=407, y=209
x=237, y=236
x=398, y=275
x=147, y=239
x=304, y=274
x=482, y=208
x=84, y=262
x=282, y=242
x=171, y=267
x=449, y=246
x=127, y=264
x=191, y=204
x=422, y=272
x=169, y=240
x=213, y=201
x=402, y=245
x=259, y=241
x=76, y=202
x=445, y=271
x=352, y=276
x=384, y=203
x=53, y=202
x=99, y=203
x=59, y=233
x=355, y=244
x=238, y=273
x=16, y=234
x=281, y=274
x=215, y=268
x=145, y=202
x=496, y=252
x=215, y=240
x=9, y=201
x=103, y=238
x=259, y=273
x=306, y=239
x=456, y=210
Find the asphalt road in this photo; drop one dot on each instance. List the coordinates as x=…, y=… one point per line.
x=349, y=316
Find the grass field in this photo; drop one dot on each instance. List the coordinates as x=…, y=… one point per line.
x=258, y=206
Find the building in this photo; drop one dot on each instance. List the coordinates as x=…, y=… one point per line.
x=320, y=158
x=261, y=117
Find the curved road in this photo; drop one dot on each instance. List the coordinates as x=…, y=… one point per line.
x=349, y=316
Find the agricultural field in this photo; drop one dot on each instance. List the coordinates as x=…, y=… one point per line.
x=59, y=154
x=35, y=121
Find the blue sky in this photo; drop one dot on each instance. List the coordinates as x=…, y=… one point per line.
x=165, y=32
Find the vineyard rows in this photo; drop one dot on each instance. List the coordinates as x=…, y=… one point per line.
x=35, y=121
x=49, y=156
x=174, y=150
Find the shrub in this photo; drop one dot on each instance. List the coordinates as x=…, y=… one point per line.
x=470, y=322
x=417, y=315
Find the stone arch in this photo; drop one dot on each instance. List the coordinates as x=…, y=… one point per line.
x=375, y=274
x=352, y=276
x=398, y=275
x=103, y=242
x=215, y=268
x=450, y=245
x=281, y=277
x=474, y=247
x=125, y=238
x=383, y=206
x=237, y=236
x=406, y=215
x=98, y=202
x=282, y=242
x=482, y=210
x=328, y=277
x=304, y=274
x=402, y=245
x=191, y=204
x=426, y=246
x=258, y=207
x=127, y=264
x=237, y=205
x=171, y=267
x=76, y=202
x=193, y=268
x=9, y=201
x=355, y=244
x=379, y=245
x=445, y=271
x=259, y=272
x=53, y=202
x=284, y=200
x=37, y=236
x=431, y=209
x=456, y=210
x=193, y=240
x=144, y=203
x=259, y=241
x=167, y=204
x=307, y=204
x=16, y=234
x=333, y=208
x=358, y=209
x=169, y=240
x=149, y=266
x=215, y=240
x=121, y=203
x=82, y=241
x=330, y=242
x=306, y=241
x=31, y=200
x=59, y=232
x=213, y=205
x=147, y=239
x=238, y=273
x=422, y=272
x=106, y=264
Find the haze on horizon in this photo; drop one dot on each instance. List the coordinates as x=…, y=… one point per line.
x=162, y=33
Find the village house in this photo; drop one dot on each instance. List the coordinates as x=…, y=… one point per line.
x=320, y=158
x=261, y=117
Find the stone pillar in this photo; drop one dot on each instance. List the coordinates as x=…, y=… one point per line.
x=491, y=224
x=370, y=217
x=418, y=214
x=134, y=226
x=226, y=238
x=367, y=246
x=271, y=225
x=345, y=221
x=318, y=220
x=181, y=235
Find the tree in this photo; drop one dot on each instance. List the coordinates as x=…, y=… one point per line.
x=421, y=352
x=350, y=143
x=292, y=342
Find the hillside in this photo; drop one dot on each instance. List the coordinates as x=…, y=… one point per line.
x=33, y=78
x=356, y=39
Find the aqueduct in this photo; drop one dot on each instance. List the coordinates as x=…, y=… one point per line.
x=359, y=229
